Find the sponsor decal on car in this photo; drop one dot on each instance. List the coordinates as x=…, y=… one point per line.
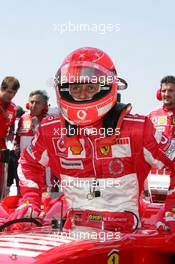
x=95, y=217
x=113, y=257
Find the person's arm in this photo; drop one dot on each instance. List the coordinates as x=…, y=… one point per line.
x=159, y=157
x=16, y=147
x=11, y=128
x=31, y=171
x=11, y=132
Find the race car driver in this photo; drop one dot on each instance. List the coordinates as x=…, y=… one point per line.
x=100, y=152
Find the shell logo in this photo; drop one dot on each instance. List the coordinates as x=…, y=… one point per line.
x=162, y=120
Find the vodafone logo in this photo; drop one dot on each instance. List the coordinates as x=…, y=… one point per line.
x=81, y=114
x=154, y=120
x=60, y=145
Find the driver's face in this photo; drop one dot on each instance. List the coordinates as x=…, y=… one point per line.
x=83, y=91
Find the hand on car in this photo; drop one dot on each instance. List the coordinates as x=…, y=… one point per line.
x=29, y=207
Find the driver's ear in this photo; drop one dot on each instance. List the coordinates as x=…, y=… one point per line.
x=158, y=94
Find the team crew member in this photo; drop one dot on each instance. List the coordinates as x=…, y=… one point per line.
x=163, y=119
x=27, y=125
x=8, y=90
x=13, y=159
x=38, y=107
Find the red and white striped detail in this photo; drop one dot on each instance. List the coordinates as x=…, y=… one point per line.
x=30, y=244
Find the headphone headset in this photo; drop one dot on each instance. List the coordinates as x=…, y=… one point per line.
x=27, y=106
x=158, y=94
x=45, y=109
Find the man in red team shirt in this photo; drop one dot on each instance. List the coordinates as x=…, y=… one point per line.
x=163, y=119
x=8, y=90
x=38, y=107
x=100, y=153
x=27, y=125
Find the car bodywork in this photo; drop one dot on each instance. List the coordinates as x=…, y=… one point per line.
x=46, y=245
x=51, y=244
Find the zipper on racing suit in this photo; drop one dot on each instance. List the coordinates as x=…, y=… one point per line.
x=94, y=188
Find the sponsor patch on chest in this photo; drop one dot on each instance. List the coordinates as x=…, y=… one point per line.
x=71, y=164
x=71, y=152
x=9, y=115
x=121, y=149
x=59, y=148
x=159, y=120
x=26, y=124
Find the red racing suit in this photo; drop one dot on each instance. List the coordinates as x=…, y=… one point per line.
x=27, y=126
x=163, y=120
x=7, y=120
x=25, y=131
x=118, y=164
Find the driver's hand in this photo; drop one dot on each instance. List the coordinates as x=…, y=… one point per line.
x=167, y=223
x=25, y=211
x=162, y=226
x=29, y=207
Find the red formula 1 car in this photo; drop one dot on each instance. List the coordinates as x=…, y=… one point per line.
x=49, y=243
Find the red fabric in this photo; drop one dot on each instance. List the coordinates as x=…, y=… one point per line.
x=25, y=128
x=136, y=136
x=29, y=204
x=7, y=120
x=164, y=120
